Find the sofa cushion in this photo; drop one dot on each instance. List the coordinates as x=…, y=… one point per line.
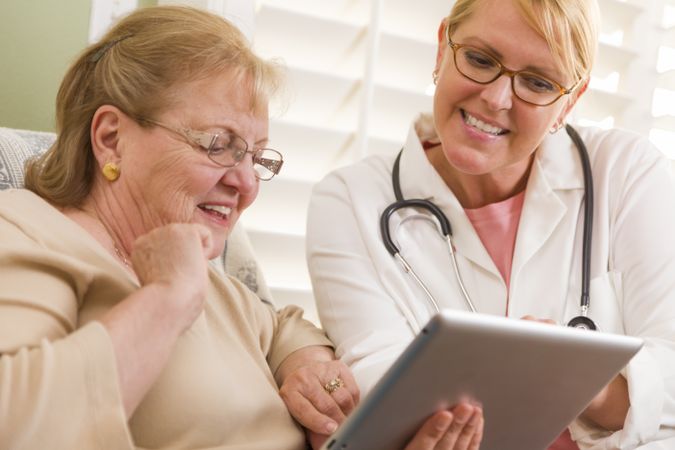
x=16, y=146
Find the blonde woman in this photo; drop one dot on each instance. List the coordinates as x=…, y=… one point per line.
x=497, y=159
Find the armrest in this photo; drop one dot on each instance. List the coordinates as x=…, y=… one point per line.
x=239, y=260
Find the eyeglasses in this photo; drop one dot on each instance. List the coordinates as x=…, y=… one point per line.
x=227, y=149
x=480, y=67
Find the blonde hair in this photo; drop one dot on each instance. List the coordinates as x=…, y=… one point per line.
x=570, y=27
x=137, y=67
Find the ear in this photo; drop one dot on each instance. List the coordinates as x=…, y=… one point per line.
x=574, y=97
x=104, y=134
x=442, y=44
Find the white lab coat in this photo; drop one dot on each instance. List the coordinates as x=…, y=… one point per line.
x=372, y=309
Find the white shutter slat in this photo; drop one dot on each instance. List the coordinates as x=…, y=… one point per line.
x=281, y=257
x=309, y=42
x=281, y=207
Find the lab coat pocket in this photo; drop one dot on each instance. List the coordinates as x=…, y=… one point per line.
x=606, y=302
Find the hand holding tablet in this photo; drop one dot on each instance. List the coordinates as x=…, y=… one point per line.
x=532, y=380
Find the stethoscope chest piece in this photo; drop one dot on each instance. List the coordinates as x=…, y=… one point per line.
x=583, y=323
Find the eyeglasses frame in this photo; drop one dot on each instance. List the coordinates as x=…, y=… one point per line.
x=505, y=70
x=206, y=141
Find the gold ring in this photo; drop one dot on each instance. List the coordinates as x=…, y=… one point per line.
x=333, y=385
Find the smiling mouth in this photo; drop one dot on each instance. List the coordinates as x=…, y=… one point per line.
x=220, y=211
x=479, y=125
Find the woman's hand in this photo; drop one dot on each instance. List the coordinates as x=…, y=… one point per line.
x=458, y=429
x=171, y=265
x=174, y=252
x=306, y=378
x=534, y=319
x=609, y=408
x=175, y=256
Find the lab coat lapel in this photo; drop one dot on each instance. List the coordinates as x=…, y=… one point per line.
x=466, y=240
x=542, y=212
x=555, y=169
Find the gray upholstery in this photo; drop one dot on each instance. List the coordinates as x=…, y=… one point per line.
x=16, y=146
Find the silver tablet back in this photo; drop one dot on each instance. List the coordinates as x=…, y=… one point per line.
x=532, y=380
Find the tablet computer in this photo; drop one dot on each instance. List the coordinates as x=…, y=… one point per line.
x=532, y=380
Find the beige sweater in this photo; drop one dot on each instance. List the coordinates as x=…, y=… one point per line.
x=58, y=380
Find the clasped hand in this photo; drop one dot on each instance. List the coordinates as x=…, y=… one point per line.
x=305, y=390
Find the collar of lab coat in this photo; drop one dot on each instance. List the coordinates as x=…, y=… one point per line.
x=556, y=167
x=557, y=160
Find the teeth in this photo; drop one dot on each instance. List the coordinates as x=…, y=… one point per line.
x=482, y=126
x=217, y=208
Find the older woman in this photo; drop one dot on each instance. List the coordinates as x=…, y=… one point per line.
x=114, y=332
x=496, y=159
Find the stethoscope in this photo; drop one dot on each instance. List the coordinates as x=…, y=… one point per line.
x=580, y=321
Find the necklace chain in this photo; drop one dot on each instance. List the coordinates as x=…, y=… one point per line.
x=121, y=256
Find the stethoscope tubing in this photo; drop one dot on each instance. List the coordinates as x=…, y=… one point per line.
x=446, y=231
x=580, y=321
x=588, y=217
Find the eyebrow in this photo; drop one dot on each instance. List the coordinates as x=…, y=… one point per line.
x=261, y=142
x=548, y=72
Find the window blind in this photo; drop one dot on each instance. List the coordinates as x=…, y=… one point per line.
x=359, y=71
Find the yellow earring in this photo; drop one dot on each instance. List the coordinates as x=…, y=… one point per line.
x=434, y=76
x=111, y=171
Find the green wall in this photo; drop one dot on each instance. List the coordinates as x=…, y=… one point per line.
x=38, y=40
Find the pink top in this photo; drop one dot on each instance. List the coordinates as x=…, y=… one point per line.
x=497, y=226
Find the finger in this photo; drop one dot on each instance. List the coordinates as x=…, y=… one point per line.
x=205, y=238
x=307, y=415
x=343, y=398
x=431, y=431
x=347, y=394
x=350, y=384
x=462, y=414
x=478, y=435
x=535, y=319
x=465, y=438
x=324, y=402
x=316, y=440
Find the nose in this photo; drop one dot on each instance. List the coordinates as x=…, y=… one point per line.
x=498, y=94
x=242, y=176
